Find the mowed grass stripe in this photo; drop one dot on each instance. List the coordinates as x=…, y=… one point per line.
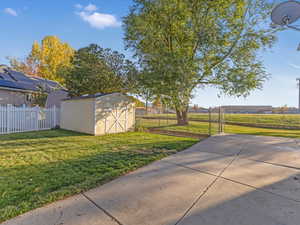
x=37, y=168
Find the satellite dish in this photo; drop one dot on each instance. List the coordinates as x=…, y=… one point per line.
x=286, y=13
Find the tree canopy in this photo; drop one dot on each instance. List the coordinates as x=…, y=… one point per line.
x=46, y=59
x=95, y=69
x=184, y=44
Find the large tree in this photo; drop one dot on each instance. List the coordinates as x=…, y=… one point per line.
x=184, y=44
x=95, y=69
x=46, y=59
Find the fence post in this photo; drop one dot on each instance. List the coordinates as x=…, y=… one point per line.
x=55, y=122
x=221, y=120
x=23, y=122
x=9, y=117
x=37, y=110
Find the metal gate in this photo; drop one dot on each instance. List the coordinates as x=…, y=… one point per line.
x=216, y=120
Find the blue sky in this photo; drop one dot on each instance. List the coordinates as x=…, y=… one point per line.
x=81, y=22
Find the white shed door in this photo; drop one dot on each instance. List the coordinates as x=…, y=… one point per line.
x=116, y=122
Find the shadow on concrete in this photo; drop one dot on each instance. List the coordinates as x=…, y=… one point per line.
x=36, y=177
x=161, y=193
x=232, y=203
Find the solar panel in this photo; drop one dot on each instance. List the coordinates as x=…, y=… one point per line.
x=15, y=85
x=14, y=79
x=19, y=76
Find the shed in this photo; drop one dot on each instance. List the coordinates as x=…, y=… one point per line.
x=98, y=114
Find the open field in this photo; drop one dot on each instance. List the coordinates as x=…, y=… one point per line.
x=203, y=128
x=281, y=120
x=37, y=168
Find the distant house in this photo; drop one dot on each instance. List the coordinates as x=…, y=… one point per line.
x=248, y=109
x=17, y=88
x=193, y=109
x=143, y=111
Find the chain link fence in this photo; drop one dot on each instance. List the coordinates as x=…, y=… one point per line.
x=217, y=121
x=207, y=124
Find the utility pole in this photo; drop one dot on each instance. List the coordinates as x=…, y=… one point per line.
x=298, y=80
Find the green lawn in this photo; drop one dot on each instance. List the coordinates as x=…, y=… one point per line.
x=40, y=167
x=202, y=128
x=259, y=119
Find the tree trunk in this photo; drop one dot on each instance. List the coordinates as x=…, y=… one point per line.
x=182, y=117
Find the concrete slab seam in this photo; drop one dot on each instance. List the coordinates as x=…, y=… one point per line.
x=259, y=189
x=103, y=210
x=274, y=164
x=207, y=189
x=233, y=181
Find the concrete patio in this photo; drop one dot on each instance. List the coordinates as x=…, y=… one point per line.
x=223, y=180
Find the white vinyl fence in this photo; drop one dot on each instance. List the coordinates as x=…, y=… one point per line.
x=20, y=119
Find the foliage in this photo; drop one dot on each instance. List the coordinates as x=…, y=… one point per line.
x=41, y=167
x=157, y=102
x=40, y=99
x=142, y=91
x=26, y=66
x=95, y=69
x=138, y=103
x=46, y=59
x=185, y=44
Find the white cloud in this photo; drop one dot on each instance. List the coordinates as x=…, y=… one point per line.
x=90, y=8
x=11, y=11
x=99, y=20
x=96, y=19
x=294, y=66
x=78, y=6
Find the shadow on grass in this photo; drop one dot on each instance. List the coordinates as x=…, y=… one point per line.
x=33, y=184
x=170, y=186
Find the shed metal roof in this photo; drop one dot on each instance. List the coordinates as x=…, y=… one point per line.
x=88, y=96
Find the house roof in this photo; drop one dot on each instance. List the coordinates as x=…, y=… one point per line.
x=17, y=80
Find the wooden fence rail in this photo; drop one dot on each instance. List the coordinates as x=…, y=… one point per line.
x=21, y=119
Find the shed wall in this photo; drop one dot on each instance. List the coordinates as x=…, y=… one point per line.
x=78, y=115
